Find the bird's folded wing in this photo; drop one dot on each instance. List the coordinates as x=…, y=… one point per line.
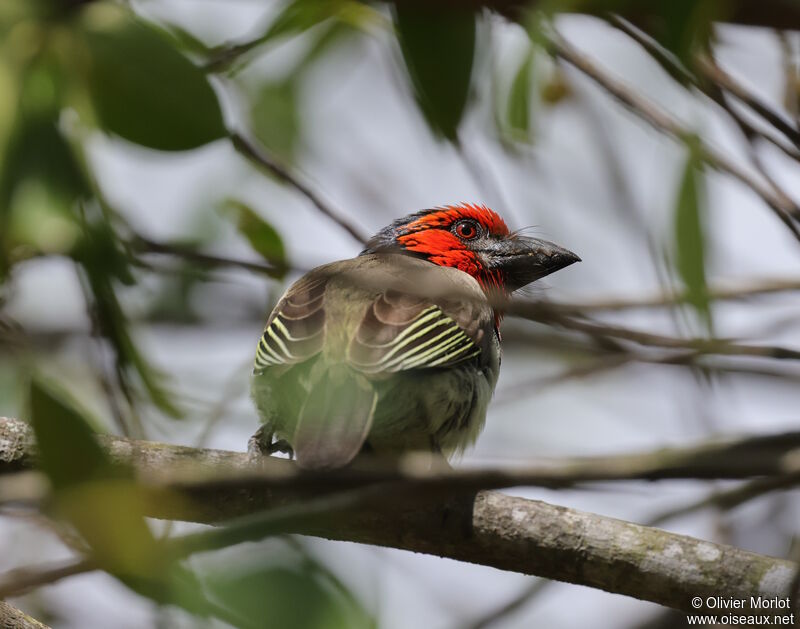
x=400, y=331
x=295, y=331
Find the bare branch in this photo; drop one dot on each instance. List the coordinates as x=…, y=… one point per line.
x=663, y=122
x=22, y=580
x=717, y=75
x=147, y=245
x=673, y=66
x=716, y=293
x=510, y=607
x=730, y=498
x=538, y=311
x=256, y=154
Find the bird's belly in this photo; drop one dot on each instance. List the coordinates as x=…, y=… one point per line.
x=431, y=409
x=425, y=409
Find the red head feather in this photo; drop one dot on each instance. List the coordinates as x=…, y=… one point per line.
x=430, y=234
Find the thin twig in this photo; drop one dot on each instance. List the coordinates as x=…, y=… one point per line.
x=21, y=580
x=663, y=122
x=791, y=73
x=259, y=156
x=538, y=311
x=678, y=71
x=717, y=75
x=715, y=293
x=731, y=498
x=143, y=244
x=510, y=607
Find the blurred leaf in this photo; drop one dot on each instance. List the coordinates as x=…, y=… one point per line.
x=327, y=36
x=261, y=235
x=13, y=12
x=685, y=26
x=180, y=37
x=274, y=112
x=556, y=89
x=101, y=500
x=103, y=260
x=143, y=89
x=518, y=107
x=285, y=598
x=438, y=48
x=97, y=497
x=9, y=97
x=690, y=236
x=41, y=180
x=68, y=451
x=300, y=15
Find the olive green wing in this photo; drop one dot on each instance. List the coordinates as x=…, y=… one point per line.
x=401, y=331
x=295, y=330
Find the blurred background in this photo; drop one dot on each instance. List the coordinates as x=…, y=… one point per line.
x=168, y=167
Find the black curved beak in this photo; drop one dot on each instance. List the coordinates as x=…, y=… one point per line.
x=524, y=260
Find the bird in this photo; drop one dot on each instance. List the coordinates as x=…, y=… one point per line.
x=398, y=349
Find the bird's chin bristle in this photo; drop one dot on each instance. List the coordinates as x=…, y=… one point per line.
x=532, y=291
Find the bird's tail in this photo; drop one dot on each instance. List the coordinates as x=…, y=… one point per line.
x=335, y=419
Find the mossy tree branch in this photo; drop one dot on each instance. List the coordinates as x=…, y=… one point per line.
x=13, y=618
x=447, y=518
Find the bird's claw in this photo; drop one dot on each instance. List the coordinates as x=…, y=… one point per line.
x=263, y=443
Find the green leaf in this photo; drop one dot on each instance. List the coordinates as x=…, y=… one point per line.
x=105, y=263
x=41, y=180
x=275, y=118
x=686, y=26
x=68, y=450
x=518, y=107
x=438, y=48
x=99, y=497
x=290, y=598
x=96, y=496
x=104, y=504
x=299, y=16
x=690, y=236
x=262, y=236
x=143, y=89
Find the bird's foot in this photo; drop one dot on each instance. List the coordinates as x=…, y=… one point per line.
x=263, y=443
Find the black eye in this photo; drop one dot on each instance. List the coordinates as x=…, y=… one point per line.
x=466, y=230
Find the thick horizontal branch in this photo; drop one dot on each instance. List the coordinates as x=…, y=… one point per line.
x=436, y=513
